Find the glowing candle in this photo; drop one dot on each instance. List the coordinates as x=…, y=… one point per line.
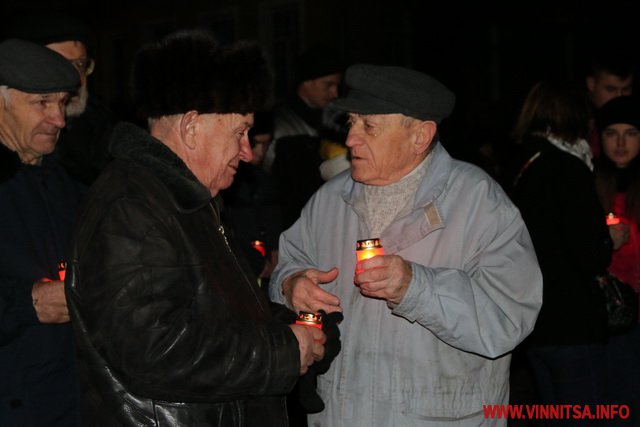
x=366, y=249
x=310, y=319
x=612, y=219
x=258, y=246
x=62, y=270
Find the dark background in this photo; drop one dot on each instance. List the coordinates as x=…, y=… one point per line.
x=489, y=55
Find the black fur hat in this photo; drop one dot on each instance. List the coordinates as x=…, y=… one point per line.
x=190, y=71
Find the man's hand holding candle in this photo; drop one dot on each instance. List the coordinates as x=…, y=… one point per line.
x=49, y=301
x=384, y=276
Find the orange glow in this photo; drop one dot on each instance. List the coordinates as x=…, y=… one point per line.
x=612, y=219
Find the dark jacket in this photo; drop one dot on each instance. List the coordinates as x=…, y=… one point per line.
x=38, y=381
x=82, y=146
x=557, y=198
x=171, y=326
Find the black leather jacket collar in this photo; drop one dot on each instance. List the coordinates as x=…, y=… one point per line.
x=129, y=142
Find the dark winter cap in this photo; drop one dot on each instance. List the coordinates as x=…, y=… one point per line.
x=318, y=61
x=623, y=109
x=32, y=68
x=377, y=89
x=51, y=28
x=190, y=71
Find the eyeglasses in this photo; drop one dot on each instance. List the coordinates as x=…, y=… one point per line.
x=84, y=66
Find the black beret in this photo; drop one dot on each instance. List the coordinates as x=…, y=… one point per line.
x=378, y=89
x=32, y=68
x=49, y=28
x=622, y=109
x=190, y=71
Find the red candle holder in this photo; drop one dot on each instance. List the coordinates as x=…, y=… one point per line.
x=368, y=248
x=62, y=270
x=309, y=319
x=612, y=219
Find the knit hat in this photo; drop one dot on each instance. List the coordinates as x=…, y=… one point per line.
x=376, y=89
x=622, y=109
x=189, y=70
x=33, y=68
x=317, y=61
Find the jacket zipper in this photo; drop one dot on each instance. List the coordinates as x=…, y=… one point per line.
x=233, y=255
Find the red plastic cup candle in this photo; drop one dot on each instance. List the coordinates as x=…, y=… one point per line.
x=258, y=245
x=310, y=319
x=612, y=219
x=62, y=270
x=366, y=249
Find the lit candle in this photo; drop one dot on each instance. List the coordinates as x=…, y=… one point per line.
x=366, y=249
x=62, y=270
x=612, y=219
x=310, y=319
x=258, y=246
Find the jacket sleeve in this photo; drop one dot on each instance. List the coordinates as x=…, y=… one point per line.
x=488, y=306
x=16, y=308
x=145, y=313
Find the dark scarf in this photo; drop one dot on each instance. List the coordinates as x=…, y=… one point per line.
x=9, y=163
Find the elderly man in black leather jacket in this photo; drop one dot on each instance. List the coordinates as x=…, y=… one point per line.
x=171, y=326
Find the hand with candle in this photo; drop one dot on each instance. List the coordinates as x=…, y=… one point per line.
x=49, y=301
x=619, y=233
x=384, y=276
x=311, y=343
x=303, y=292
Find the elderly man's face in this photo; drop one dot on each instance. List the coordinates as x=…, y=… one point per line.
x=222, y=142
x=382, y=148
x=30, y=123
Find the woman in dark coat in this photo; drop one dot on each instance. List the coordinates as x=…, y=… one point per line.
x=556, y=195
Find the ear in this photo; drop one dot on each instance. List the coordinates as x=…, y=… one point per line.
x=425, y=132
x=188, y=125
x=591, y=83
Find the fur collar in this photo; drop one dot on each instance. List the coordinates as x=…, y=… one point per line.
x=129, y=142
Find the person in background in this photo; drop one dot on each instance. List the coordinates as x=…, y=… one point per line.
x=610, y=75
x=294, y=156
x=556, y=195
x=617, y=174
x=429, y=325
x=82, y=146
x=38, y=203
x=171, y=326
x=251, y=204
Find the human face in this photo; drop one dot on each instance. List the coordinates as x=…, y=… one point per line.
x=382, y=148
x=621, y=143
x=76, y=53
x=604, y=87
x=221, y=143
x=30, y=123
x=261, y=143
x=318, y=93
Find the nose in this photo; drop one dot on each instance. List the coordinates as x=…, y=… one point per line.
x=246, y=153
x=353, y=138
x=56, y=115
x=333, y=92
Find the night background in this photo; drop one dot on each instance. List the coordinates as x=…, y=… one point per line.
x=489, y=55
